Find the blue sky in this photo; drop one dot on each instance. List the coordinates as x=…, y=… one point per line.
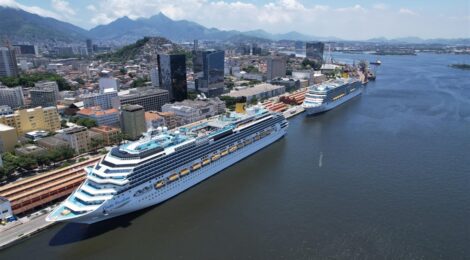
x=341, y=18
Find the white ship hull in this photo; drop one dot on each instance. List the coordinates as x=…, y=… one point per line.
x=312, y=110
x=126, y=202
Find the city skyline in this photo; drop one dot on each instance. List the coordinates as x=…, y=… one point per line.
x=428, y=19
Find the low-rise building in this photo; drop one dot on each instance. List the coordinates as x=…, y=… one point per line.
x=8, y=138
x=290, y=84
x=5, y=209
x=190, y=111
x=76, y=137
x=5, y=110
x=52, y=142
x=36, y=135
x=110, y=134
x=30, y=149
x=38, y=118
x=156, y=119
x=109, y=117
x=258, y=92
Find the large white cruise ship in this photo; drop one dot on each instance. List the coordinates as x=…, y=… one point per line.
x=328, y=95
x=164, y=163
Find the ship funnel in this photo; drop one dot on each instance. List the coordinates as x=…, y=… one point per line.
x=240, y=105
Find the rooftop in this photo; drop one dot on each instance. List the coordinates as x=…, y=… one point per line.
x=257, y=89
x=5, y=127
x=97, y=111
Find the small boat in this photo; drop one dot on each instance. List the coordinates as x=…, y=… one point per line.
x=232, y=149
x=249, y=141
x=240, y=145
x=159, y=184
x=224, y=152
x=377, y=62
x=65, y=212
x=257, y=138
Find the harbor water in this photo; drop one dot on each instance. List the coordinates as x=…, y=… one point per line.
x=386, y=175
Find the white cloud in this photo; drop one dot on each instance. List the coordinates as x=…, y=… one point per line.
x=406, y=11
x=31, y=9
x=380, y=6
x=62, y=7
x=91, y=8
x=276, y=16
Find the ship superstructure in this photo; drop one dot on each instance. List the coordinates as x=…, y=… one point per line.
x=164, y=163
x=330, y=94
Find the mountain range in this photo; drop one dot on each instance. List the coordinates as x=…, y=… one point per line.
x=18, y=25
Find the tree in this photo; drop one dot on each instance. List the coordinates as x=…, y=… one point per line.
x=254, y=100
x=28, y=80
x=87, y=122
x=192, y=95
x=63, y=123
x=96, y=143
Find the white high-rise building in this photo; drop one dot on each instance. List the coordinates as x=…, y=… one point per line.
x=104, y=100
x=107, y=81
x=8, y=65
x=12, y=97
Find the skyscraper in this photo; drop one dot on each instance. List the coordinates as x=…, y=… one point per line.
x=314, y=51
x=210, y=80
x=172, y=73
x=89, y=47
x=8, y=66
x=133, y=121
x=154, y=77
x=276, y=67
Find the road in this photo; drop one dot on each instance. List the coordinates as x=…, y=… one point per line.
x=25, y=229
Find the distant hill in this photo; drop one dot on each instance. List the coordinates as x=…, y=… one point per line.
x=146, y=48
x=417, y=40
x=19, y=25
x=157, y=25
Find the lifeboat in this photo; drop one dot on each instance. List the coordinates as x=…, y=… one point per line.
x=196, y=166
x=159, y=184
x=184, y=172
x=173, y=177
x=206, y=162
x=65, y=212
x=249, y=141
x=224, y=152
x=240, y=145
x=215, y=157
x=257, y=138
x=232, y=149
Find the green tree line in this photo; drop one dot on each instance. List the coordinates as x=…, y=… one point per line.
x=28, y=80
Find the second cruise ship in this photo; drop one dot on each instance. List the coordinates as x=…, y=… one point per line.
x=328, y=95
x=164, y=163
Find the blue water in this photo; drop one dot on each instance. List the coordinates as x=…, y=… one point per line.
x=386, y=175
